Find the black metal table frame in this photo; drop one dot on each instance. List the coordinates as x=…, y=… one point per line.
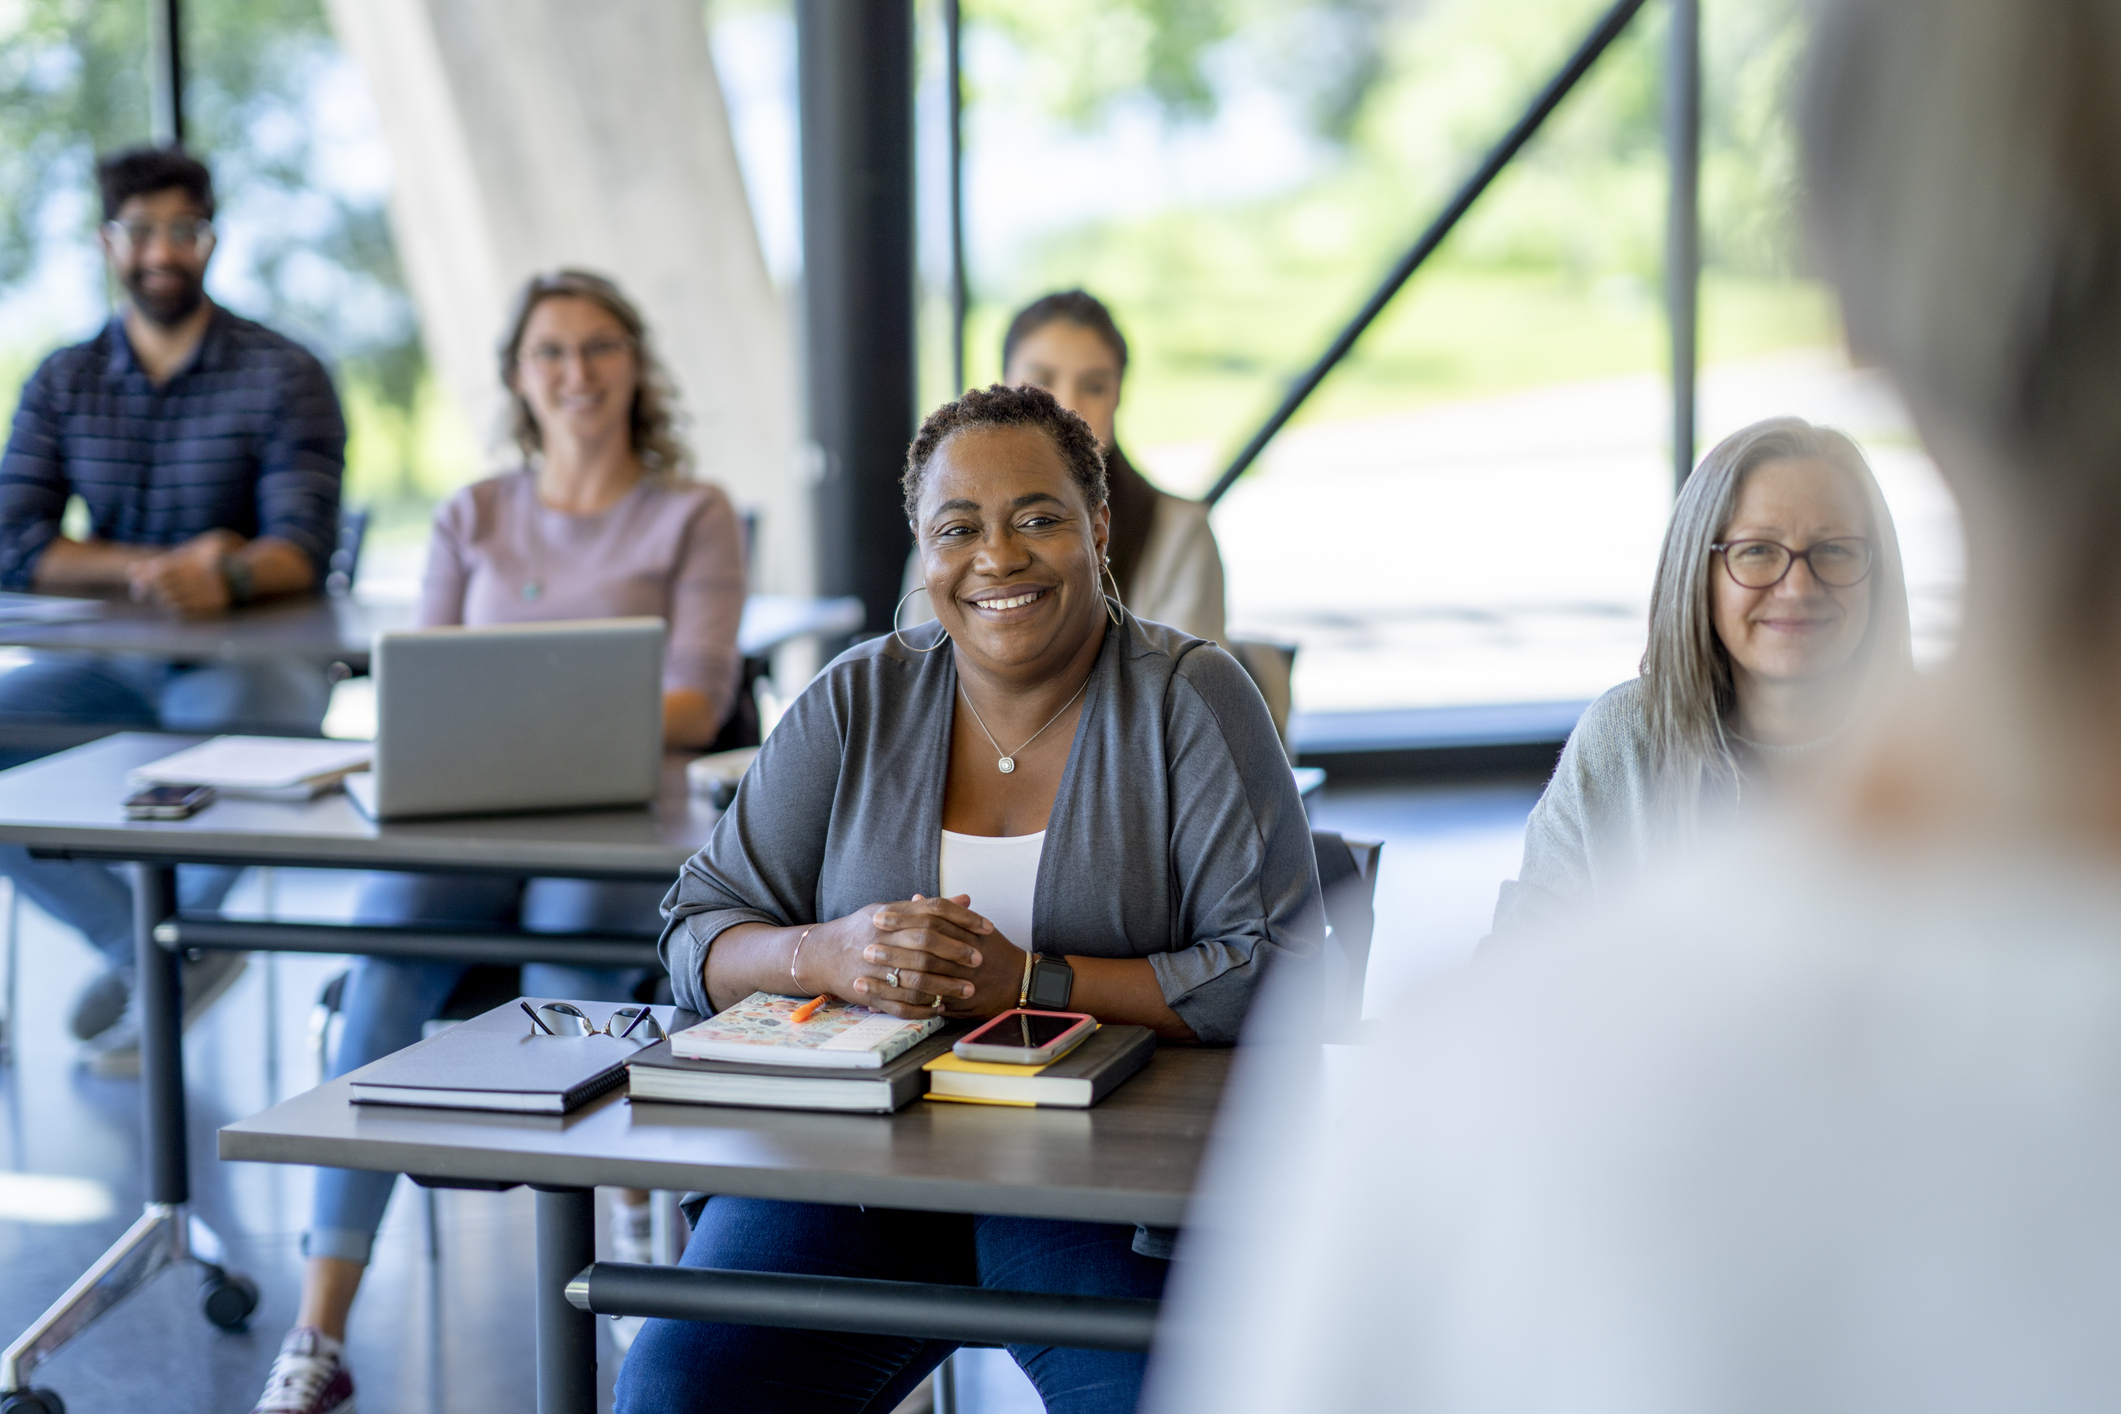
x=167, y=1232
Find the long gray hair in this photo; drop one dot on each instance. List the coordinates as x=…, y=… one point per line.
x=1688, y=690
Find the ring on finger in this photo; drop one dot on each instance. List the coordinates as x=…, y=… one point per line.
x=891, y=976
x=938, y=1003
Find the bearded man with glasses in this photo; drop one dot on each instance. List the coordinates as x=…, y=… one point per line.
x=207, y=451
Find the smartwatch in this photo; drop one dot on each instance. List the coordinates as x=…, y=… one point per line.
x=236, y=573
x=1052, y=982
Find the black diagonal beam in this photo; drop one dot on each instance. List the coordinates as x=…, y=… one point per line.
x=168, y=83
x=954, y=80
x=1595, y=43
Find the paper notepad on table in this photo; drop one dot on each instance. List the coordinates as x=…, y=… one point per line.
x=762, y=1030
x=46, y=608
x=263, y=767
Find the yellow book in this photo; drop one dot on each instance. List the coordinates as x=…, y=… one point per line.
x=1076, y=1081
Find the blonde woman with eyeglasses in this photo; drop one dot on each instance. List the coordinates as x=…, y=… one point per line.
x=1779, y=603
x=602, y=520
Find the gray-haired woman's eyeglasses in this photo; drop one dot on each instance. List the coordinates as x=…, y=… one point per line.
x=567, y=1019
x=1761, y=564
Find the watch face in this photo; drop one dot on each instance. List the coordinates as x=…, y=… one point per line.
x=1051, y=983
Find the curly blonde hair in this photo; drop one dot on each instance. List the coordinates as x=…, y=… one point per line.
x=656, y=415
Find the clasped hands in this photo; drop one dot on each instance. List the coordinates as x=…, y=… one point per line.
x=187, y=577
x=937, y=947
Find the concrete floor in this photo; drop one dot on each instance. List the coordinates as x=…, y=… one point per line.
x=455, y=1334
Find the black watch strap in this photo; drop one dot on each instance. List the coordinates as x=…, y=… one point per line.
x=1052, y=983
x=235, y=573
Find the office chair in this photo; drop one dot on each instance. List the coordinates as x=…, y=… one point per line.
x=346, y=556
x=1272, y=668
x=1347, y=871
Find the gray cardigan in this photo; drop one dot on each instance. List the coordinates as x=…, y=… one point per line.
x=1601, y=820
x=1176, y=834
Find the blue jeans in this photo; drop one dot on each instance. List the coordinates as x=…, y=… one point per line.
x=388, y=1001
x=138, y=693
x=685, y=1365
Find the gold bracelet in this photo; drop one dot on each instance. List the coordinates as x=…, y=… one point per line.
x=1023, y=993
x=792, y=957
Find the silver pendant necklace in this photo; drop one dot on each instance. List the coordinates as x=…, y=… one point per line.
x=1007, y=763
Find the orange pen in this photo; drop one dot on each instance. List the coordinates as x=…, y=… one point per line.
x=808, y=1009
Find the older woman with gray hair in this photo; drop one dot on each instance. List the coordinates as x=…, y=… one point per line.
x=1779, y=605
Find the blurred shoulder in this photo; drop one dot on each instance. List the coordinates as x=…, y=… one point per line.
x=1215, y=682
x=1619, y=719
x=483, y=502
x=697, y=497
x=255, y=344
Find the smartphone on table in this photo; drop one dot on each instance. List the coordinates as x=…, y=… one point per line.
x=168, y=802
x=1027, y=1037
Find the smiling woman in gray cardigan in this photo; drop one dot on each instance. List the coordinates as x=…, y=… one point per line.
x=1036, y=784
x=1176, y=836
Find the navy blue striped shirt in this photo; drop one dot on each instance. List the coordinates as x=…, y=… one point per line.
x=246, y=437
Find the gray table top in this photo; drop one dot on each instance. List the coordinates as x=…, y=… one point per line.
x=1130, y=1159
x=340, y=630
x=311, y=627
x=73, y=802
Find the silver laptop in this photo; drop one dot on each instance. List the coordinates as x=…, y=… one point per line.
x=548, y=716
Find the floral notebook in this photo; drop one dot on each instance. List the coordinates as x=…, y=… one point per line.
x=839, y=1035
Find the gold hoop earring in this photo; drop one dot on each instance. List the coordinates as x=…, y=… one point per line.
x=1113, y=580
x=899, y=634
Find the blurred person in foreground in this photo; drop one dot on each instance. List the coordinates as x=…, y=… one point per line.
x=207, y=451
x=1164, y=564
x=1039, y=772
x=1779, y=608
x=603, y=519
x=1833, y=1120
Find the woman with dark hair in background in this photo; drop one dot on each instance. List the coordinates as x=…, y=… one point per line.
x=1164, y=562
x=1779, y=603
x=603, y=520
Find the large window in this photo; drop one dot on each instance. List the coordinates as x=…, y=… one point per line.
x=1469, y=510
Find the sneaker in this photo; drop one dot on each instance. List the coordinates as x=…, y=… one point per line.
x=114, y=1055
x=114, y=1052
x=309, y=1376
x=101, y=1005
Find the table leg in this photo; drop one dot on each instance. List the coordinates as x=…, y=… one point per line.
x=159, y=974
x=567, y=1338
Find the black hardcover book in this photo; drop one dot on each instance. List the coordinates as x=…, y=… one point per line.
x=497, y=1061
x=1076, y=1081
x=655, y=1074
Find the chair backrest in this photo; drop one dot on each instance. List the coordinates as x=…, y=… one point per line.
x=1347, y=871
x=1272, y=668
x=346, y=557
x=743, y=727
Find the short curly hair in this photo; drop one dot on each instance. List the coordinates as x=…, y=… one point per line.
x=1002, y=406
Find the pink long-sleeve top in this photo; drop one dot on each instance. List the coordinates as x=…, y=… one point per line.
x=668, y=548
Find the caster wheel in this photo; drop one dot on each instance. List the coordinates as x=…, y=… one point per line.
x=32, y=1401
x=227, y=1298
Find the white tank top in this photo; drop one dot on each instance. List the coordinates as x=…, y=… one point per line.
x=1001, y=874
